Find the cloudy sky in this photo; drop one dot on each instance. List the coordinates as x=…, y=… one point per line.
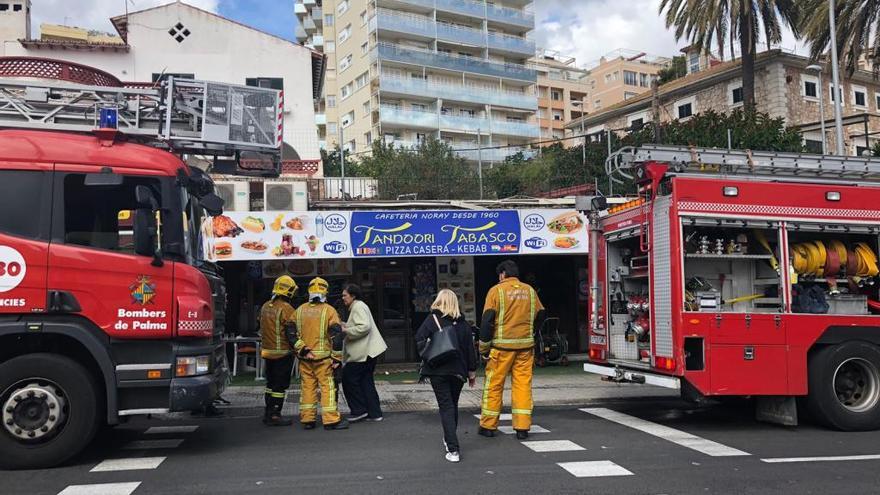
x=586, y=29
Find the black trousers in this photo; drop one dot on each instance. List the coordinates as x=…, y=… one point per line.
x=360, y=388
x=277, y=381
x=447, y=390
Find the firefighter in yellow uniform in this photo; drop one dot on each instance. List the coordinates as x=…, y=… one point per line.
x=278, y=334
x=320, y=351
x=510, y=316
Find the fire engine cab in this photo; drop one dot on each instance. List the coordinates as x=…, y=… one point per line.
x=738, y=273
x=108, y=307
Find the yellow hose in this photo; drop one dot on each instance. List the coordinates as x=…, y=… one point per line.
x=763, y=241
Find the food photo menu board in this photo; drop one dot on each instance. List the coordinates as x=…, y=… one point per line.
x=457, y=274
x=279, y=235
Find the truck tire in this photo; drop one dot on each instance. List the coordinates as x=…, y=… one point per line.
x=844, y=386
x=49, y=410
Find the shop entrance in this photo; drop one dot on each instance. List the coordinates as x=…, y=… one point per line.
x=386, y=291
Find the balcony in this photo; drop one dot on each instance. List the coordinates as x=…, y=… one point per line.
x=414, y=25
x=464, y=123
x=468, y=152
x=310, y=3
x=301, y=34
x=309, y=25
x=458, y=34
x=457, y=92
x=422, y=4
x=511, y=17
x=464, y=7
x=318, y=16
x=321, y=119
x=317, y=41
x=300, y=9
x=511, y=44
x=395, y=116
x=411, y=56
x=518, y=129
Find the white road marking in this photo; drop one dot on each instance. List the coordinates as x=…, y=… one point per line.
x=553, y=446
x=594, y=469
x=156, y=430
x=823, y=459
x=684, y=439
x=503, y=417
x=132, y=464
x=101, y=489
x=169, y=443
x=508, y=430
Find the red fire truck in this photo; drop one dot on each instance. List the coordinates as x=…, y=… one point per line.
x=737, y=273
x=108, y=308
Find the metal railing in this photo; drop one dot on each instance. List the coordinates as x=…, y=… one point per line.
x=514, y=44
x=449, y=61
x=512, y=128
x=448, y=90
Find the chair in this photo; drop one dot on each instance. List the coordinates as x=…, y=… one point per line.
x=246, y=348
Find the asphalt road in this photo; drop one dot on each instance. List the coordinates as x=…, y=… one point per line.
x=636, y=446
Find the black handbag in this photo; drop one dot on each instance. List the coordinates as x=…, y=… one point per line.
x=441, y=345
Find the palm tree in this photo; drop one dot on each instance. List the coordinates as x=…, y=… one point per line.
x=707, y=22
x=858, y=31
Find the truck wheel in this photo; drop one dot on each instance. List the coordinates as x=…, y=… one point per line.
x=844, y=383
x=49, y=410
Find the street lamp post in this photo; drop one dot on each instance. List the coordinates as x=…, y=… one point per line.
x=835, y=70
x=818, y=70
x=582, y=105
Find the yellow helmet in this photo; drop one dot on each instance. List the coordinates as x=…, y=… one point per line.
x=284, y=286
x=319, y=286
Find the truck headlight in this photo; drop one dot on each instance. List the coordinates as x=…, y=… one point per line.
x=193, y=365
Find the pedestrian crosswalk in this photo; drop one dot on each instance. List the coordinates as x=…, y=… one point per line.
x=132, y=463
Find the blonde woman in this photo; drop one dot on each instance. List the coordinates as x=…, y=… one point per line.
x=447, y=379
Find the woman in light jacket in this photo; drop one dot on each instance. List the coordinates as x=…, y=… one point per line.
x=363, y=344
x=447, y=378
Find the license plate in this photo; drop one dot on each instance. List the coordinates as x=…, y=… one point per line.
x=597, y=340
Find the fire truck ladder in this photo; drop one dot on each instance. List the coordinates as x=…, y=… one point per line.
x=624, y=164
x=182, y=115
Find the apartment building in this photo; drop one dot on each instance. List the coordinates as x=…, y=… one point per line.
x=562, y=93
x=621, y=75
x=405, y=71
x=787, y=86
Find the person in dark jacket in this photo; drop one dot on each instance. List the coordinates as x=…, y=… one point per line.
x=447, y=379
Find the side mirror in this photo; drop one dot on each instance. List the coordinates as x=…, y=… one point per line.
x=212, y=203
x=146, y=228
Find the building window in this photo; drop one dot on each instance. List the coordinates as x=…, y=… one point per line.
x=833, y=96
x=629, y=78
x=877, y=98
x=328, y=20
x=694, y=62
x=346, y=91
x=163, y=76
x=330, y=47
x=363, y=18
x=4, y=7
x=344, y=63
x=347, y=120
x=16, y=8
x=331, y=128
x=628, y=94
x=365, y=48
x=597, y=104
x=637, y=123
x=557, y=115
x=179, y=32
x=352, y=146
x=331, y=101
x=266, y=82
x=361, y=80
x=644, y=80
x=367, y=111
x=735, y=93
x=368, y=138
x=555, y=95
x=811, y=89
x=684, y=108
x=343, y=7
x=345, y=34
x=860, y=97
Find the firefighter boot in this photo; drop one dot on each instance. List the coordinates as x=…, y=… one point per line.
x=275, y=418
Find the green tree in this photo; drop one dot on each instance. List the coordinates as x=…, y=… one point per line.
x=876, y=149
x=431, y=171
x=677, y=69
x=707, y=22
x=858, y=31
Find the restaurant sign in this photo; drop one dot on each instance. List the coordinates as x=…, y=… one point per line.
x=237, y=236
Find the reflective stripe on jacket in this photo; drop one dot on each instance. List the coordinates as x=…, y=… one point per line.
x=275, y=315
x=515, y=304
x=313, y=321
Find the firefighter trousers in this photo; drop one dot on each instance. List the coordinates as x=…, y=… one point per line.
x=316, y=375
x=519, y=365
x=277, y=381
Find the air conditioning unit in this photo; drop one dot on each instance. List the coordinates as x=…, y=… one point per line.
x=286, y=196
x=236, y=195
